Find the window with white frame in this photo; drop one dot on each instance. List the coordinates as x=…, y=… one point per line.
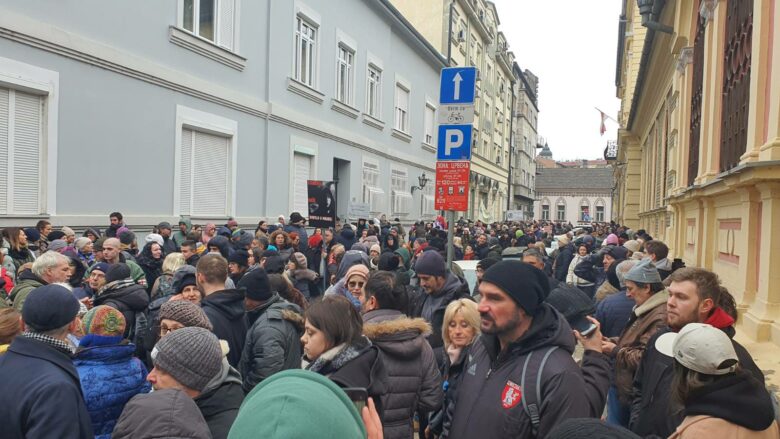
x=305, y=51
x=21, y=151
x=372, y=191
x=401, y=108
x=560, y=213
x=402, y=199
x=213, y=20
x=546, y=212
x=374, y=91
x=600, y=211
x=345, y=66
x=206, y=174
x=430, y=117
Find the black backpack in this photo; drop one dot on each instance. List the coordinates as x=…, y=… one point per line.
x=531, y=383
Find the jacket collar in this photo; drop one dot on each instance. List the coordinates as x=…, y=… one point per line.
x=29, y=347
x=656, y=299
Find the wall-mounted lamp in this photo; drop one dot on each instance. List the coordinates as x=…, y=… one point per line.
x=646, y=11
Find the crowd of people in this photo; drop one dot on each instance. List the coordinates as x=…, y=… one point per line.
x=363, y=330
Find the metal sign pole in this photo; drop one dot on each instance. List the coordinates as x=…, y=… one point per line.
x=450, y=238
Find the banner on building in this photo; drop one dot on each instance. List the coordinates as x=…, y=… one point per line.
x=611, y=151
x=322, y=203
x=452, y=182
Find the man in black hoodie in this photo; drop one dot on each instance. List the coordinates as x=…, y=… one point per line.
x=224, y=308
x=122, y=293
x=520, y=331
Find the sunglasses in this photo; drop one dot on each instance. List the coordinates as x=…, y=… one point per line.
x=356, y=284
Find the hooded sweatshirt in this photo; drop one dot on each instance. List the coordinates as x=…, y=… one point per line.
x=179, y=237
x=167, y=413
x=225, y=310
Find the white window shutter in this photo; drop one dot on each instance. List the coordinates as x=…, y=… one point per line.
x=4, y=117
x=227, y=23
x=27, y=153
x=302, y=173
x=211, y=175
x=185, y=178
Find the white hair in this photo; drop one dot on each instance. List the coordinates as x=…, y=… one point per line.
x=48, y=261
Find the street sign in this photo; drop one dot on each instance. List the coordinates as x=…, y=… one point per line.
x=452, y=182
x=457, y=114
x=457, y=85
x=454, y=142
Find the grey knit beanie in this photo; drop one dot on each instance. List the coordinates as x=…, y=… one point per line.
x=186, y=313
x=192, y=356
x=643, y=272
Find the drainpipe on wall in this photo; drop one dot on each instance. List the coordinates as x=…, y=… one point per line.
x=511, y=137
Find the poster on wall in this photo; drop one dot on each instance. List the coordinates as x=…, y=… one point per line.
x=322, y=203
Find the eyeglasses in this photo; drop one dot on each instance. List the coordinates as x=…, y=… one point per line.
x=357, y=284
x=164, y=330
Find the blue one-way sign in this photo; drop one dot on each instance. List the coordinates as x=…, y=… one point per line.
x=457, y=85
x=454, y=142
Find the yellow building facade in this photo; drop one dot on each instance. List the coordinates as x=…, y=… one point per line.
x=467, y=32
x=699, y=152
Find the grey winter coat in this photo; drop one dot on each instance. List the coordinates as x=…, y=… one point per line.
x=168, y=413
x=413, y=379
x=434, y=305
x=489, y=401
x=272, y=342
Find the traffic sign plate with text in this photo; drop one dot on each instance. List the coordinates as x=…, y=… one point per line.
x=452, y=182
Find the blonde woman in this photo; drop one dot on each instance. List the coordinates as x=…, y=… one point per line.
x=163, y=286
x=460, y=329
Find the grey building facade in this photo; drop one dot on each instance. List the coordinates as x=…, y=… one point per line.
x=211, y=108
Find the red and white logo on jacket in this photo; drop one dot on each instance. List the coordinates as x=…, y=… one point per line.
x=511, y=395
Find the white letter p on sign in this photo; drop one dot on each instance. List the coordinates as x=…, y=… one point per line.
x=454, y=140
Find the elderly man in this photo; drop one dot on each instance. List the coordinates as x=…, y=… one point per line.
x=49, y=268
x=41, y=395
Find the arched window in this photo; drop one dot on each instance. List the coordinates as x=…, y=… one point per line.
x=585, y=214
x=560, y=210
x=545, y=209
x=600, y=209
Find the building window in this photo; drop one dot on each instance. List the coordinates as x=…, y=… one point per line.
x=600, y=214
x=345, y=65
x=546, y=212
x=205, y=176
x=21, y=151
x=305, y=52
x=401, y=108
x=430, y=116
x=213, y=20
x=372, y=192
x=560, y=213
x=374, y=92
x=402, y=199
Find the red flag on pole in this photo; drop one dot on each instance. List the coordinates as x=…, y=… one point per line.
x=603, y=128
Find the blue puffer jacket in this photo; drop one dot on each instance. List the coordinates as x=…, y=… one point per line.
x=109, y=376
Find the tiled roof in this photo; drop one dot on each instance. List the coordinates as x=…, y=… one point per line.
x=574, y=178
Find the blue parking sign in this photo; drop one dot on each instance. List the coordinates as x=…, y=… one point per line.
x=454, y=142
x=457, y=85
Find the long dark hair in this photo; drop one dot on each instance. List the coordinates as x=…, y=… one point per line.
x=686, y=382
x=337, y=318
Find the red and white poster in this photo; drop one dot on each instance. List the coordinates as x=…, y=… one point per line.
x=452, y=185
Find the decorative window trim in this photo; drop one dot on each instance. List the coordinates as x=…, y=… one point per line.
x=33, y=79
x=305, y=91
x=349, y=44
x=347, y=110
x=373, y=122
x=312, y=19
x=209, y=123
x=201, y=46
x=401, y=135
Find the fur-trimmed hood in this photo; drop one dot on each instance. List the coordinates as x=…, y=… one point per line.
x=395, y=334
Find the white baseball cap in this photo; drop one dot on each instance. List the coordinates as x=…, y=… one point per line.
x=700, y=347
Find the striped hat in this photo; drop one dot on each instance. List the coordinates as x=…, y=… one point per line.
x=103, y=320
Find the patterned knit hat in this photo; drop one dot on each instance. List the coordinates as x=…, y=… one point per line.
x=192, y=356
x=103, y=320
x=186, y=313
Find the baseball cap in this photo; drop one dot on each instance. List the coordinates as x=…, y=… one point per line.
x=700, y=347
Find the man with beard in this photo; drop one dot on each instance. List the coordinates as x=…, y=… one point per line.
x=116, y=223
x=520, y=379
x=695, y=296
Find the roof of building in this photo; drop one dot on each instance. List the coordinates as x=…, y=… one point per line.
x=574, y=178
x=546, y=152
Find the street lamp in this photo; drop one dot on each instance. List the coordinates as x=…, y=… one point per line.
x=422, y=180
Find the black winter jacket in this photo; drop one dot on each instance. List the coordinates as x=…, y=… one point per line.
x=273, y=341
x=220, y=400
x=489, y=395
x=225, y=310
x=565, y=255
x=413, y=379
x=129, y=298
x=651, y=409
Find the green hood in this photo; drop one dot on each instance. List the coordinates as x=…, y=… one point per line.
x=297, y=403
x=405, y=256
x=187, y=221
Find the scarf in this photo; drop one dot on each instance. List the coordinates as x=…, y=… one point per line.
x=336, y=357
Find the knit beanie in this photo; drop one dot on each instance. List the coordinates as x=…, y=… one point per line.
x=101, y=266
x=186, y=313
x=527, y=285
x=103, y=320
x=154, y=237
x=57, y=245
x=266, y=410
x=589, y=428
x=300, y=260
x=618, y=252
x=256, y=286
x=359, y=270
x=643, y=272
x=49, y=307
x=121, y=230
x=56, y=234
x=32, y=234
x=375, y=248
x=612, y=239
x=192, y=356
x=274, y=264
x=632, y=245
x=182, y=277
x=118, y=271
x=430, y=263
x=68, y=231
x=487, y=263
x=240, y=257
x=82, y=242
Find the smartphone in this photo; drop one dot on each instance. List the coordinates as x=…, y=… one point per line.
x=358, y=395
x=584, y=326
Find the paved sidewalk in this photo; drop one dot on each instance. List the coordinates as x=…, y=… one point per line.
x=767, y=357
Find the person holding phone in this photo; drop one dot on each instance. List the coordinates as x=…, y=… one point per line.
x=334, y=346
x=643, y=285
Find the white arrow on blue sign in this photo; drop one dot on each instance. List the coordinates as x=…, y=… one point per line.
x=454, y=142
x=457, y=85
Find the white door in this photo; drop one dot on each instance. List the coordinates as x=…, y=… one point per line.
x=302, y=173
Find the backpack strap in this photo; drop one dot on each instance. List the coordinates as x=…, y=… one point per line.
x=532, y=390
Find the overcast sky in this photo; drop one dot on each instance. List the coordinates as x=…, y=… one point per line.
x=571, y=46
